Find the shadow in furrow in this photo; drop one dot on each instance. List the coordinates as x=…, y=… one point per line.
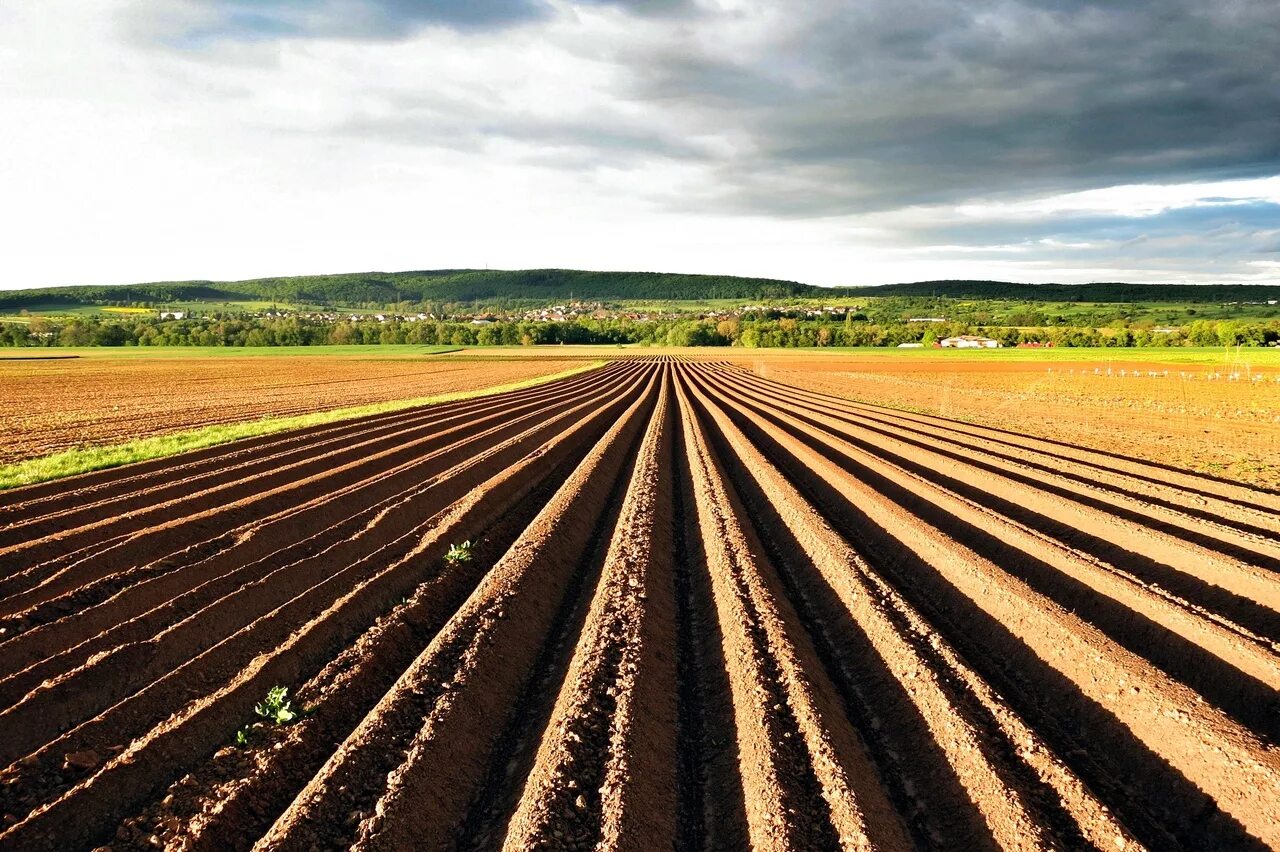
x=710, y=800
x=1241, y=696
x=964, y=455
x=517, y=747
x=1161, y=806
x=921, y=784
x=800, y=792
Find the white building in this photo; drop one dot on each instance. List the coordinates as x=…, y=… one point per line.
x=969, y=341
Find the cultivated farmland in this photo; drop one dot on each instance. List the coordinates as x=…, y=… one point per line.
x=662, y=604
x=109, y=396
x=1220, y=417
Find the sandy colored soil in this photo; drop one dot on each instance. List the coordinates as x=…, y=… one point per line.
x=52, y=405
x=1211, y=419
x=704, y=609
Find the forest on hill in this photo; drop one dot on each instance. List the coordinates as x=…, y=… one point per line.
x=494, y=287
x=547, y=286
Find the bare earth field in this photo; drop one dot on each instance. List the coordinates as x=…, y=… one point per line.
x=703, y=610
x=52, y=405
x=1213, y=419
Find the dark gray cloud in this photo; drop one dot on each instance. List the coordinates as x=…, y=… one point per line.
x=878, y=105
x=830, y=108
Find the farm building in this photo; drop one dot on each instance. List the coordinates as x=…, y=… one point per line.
x=969, y=341
x=173, y=315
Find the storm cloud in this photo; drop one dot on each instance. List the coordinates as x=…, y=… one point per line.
x=829, y=108
x=877, y=127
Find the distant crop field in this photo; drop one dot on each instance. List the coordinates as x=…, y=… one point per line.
x=57, y=404
x=195, y=352
x=1207, y=410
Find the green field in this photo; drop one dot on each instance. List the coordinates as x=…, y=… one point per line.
x=1269, y=356
x=1208, y=356
x=220, y=351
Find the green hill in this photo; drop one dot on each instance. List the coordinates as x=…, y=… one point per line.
x=448, y=285
x=1115, y=292
x=554, y=285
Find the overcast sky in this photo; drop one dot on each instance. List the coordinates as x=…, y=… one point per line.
x=826, y=141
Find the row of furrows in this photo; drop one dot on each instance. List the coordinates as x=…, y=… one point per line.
x=207, y=679
x=140, y=483
x=1224, y=500
x=1115, y=576
x=113, y=484
x=712, y=613
x=270, y=557
x=121, y=660
x=60, y=554
x=208, y=406
x=1245, y=526
x=1105, y=684
x=432, y=755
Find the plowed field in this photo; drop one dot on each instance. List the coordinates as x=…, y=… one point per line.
x=57, y=404
x=702, y=610
x=1220, y=419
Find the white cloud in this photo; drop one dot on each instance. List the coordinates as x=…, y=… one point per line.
x=581, y=139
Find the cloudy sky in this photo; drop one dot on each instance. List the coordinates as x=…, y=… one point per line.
x=827, y=141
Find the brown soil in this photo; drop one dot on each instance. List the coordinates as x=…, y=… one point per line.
x=703, y=609
x=58, y=404
x=1214, y=420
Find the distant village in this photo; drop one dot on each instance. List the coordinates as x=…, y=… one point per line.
x=556, y=313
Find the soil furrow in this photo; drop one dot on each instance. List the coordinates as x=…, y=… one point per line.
x=1240, y=676
x=908, y=691
x=97, y=486
x=604, y=776
x=1156, y=474
x=1186, y=768
x=808, y=780
x=1180, y=513
x=468, y=678
x=185, y=482
x=667, y=604
x=112, y=675
x=202, y=726
x=232, y=568
x=157, y=526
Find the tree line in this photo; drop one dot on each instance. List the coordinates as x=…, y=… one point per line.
x=746, y=332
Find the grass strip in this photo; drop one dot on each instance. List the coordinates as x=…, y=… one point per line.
x=86, y=459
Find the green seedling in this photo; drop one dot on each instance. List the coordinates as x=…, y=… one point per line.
x=458, y=553
x=276, y=708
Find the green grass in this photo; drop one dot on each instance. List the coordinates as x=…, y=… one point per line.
x=1255, y=355
x=371, y=351
x=85, y=459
